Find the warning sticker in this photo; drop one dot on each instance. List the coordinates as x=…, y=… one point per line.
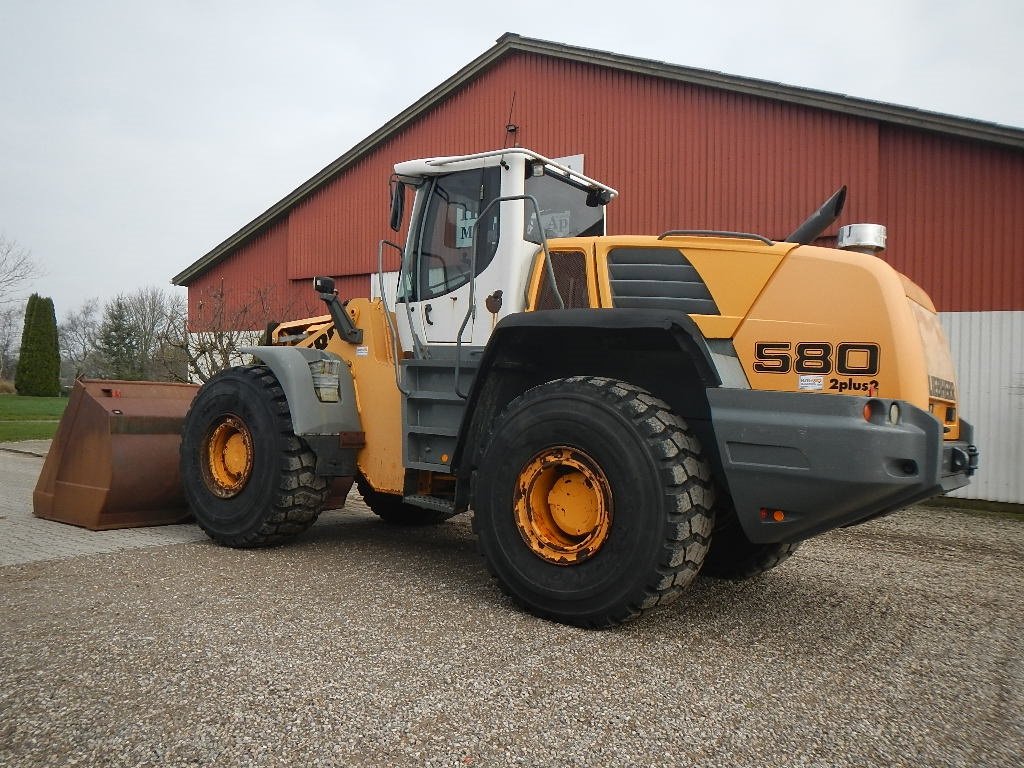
x=362, y=351
x=811, y=383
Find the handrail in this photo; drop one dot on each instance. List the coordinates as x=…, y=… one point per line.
x=450, y=160
x=715, y=233
x=387, y=312
x=471, y=312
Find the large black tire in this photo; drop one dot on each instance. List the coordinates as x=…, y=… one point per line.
x=393, y=511
x=268, y=491
x=625, y=452
x=734, y=557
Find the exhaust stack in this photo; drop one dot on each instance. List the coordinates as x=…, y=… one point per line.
x=820, y=220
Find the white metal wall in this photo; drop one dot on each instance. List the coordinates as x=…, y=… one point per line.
x=988, y=350
x=390, y=286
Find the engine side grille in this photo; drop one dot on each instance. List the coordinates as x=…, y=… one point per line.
x=658, y=278
x=571, y=277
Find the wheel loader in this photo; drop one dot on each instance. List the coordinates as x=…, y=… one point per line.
x=618, y=412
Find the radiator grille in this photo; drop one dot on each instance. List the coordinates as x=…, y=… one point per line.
x=571, y=277
x=657, y=278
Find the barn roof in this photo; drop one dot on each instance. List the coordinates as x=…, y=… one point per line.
x=511, y=43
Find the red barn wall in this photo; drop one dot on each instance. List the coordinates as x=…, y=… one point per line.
x=952, y=208
x=683, y=156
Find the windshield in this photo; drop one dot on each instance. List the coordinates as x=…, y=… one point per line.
x=563, y=209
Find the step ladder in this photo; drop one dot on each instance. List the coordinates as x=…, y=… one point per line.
x=433, y=409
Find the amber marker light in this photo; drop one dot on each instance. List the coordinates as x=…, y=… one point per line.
x=778, y=515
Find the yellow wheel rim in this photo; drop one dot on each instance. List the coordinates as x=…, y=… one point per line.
x=563, y=505
x=229, y=456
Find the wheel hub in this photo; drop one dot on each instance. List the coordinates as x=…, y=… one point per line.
x=563, y=505
x=229, y=456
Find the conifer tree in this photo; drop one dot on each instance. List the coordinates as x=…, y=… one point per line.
x=50, y=349
x=25, y=334
x=39, y=361
x=118, y=342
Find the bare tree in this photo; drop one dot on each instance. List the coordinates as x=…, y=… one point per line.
x=17, y=270
x=10, y=337
x=130, y=337
x=153, y=314
x=146, y=334
x=79, y=334
x=223, y=327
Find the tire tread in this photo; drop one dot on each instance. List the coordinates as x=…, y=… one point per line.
x=685, y=475
x=301, y=493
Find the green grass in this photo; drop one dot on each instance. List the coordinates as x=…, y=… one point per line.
x=24, y=408
x=27, y=430
x=29, y=418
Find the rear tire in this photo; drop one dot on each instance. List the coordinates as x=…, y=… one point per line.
x=594, y=502
x=734, y=557
x=248, y=479
x=393, y=511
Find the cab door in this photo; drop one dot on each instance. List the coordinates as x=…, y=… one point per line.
x=448, y=232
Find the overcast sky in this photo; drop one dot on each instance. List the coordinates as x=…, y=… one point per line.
x=135, y=136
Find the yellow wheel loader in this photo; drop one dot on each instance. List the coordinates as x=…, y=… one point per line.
x=619, y=413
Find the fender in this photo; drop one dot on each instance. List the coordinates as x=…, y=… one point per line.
x=678, y=325
x=529, y=348
x=310, y=416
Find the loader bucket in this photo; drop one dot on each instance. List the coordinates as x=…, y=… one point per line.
x=114, y=460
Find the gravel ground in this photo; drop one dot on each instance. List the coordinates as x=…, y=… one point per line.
x=895, y=643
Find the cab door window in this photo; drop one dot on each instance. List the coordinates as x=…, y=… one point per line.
x=450, y=228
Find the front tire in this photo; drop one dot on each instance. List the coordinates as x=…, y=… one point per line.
x=249, y=480
x=594, y=502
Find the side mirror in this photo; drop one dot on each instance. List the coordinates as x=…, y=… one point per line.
x=397, y=205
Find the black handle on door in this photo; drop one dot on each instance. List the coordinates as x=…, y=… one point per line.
x=426, y=314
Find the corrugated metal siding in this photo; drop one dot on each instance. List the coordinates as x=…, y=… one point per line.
x=953, y=209
x=682, y=156
x=250, y=287
x=687, y=156
x=988, y=349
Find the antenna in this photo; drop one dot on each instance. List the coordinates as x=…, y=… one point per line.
x=511, y=128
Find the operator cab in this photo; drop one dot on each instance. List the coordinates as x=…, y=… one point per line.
x=477, y=222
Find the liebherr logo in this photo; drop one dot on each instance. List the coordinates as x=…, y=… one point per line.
x=941, y=388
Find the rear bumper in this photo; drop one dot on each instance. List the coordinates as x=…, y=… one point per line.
x=817, y=459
